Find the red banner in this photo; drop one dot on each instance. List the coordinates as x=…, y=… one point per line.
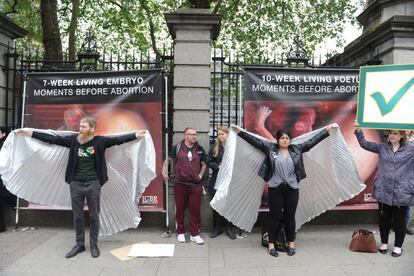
x=120, y=101
x=303, y=99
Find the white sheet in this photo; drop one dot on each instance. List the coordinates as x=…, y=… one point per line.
x=35, y=171
x=152, y=250
x=332, y=178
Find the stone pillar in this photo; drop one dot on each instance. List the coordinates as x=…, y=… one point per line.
x=387, y=38
x=8, y=33
x=193, y=30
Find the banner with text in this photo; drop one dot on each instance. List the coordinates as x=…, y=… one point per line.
x=120, y=101
x=304, y=99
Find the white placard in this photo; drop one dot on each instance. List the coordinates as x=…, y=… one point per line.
x=152, y=250
x=386, y=97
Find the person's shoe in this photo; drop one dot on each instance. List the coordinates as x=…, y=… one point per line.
x=291, y=251
x=395, y=254
x=181, y=238
x=383, y=249
x=75, y=251
x=197, y=239
x=95, y=251
x=230, y=233
x=273, y=252
x=409, y=231
x=216, y=232
x=3, y=229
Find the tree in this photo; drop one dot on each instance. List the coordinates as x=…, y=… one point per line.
x=200, y=4
x=51, y=33
x=26, y=14
x=72, y=29
x=258, y=26
x=249, y=27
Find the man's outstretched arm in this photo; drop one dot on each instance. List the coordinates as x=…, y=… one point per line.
x=118, y=140
x=63, y=141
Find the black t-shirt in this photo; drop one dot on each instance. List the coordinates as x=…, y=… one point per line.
x=173, y=152
x=86, y=162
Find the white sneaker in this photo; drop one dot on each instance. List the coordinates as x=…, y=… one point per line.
x=197, y=239
x=181, y=238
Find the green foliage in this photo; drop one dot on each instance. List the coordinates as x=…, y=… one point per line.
x=249, y=27
x=121, y=25
x=254, y=26
x=26, y=14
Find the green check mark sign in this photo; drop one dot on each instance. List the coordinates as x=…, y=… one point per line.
x=385, y=107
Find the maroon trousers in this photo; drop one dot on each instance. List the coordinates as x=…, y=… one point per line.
x=191, y=196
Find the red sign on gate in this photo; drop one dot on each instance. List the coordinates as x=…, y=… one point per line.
x=303, y=99
x=121, y=101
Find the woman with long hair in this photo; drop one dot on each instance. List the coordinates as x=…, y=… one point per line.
x=393, y=185
x=283, y=169
x=214, y=161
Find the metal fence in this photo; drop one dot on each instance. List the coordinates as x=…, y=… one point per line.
x=226, y=104
x=21, y=61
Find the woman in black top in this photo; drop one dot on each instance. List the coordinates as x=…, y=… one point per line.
x=6, y=198
x=215, y=157
x=283, y=169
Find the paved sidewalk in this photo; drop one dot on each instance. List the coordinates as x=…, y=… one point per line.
x=321, y=250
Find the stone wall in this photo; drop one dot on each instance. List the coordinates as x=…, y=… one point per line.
x=387, y=38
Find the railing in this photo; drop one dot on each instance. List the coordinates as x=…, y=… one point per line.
x=22, y=61
x=226, y=104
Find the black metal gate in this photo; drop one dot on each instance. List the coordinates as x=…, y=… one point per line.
x=21, y=61
x=227, y=86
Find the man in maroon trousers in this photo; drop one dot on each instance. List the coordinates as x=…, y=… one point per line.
x=189, y=164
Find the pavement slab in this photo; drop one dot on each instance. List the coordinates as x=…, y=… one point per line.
x=321, y=250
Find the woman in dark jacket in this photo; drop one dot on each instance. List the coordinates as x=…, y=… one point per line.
x=283, y=169
x=393, y=185
x=6, y=198
x=215, y=157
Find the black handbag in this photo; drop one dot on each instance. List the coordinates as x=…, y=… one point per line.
x=281, y=243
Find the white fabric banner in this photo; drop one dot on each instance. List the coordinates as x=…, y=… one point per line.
x=332, y=178
x=35, y=171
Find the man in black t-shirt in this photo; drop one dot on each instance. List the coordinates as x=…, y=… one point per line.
x=86, y=173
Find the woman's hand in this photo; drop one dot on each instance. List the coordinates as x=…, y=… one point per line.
x=235, y=129
x=356, y=126
x=330, y=128
x=140, y=133
x=24, y=132
x=165, y=176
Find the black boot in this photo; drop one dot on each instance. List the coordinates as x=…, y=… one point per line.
x=216, y=232
x=229, y=232
x=95, y=251
x=75, y=251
